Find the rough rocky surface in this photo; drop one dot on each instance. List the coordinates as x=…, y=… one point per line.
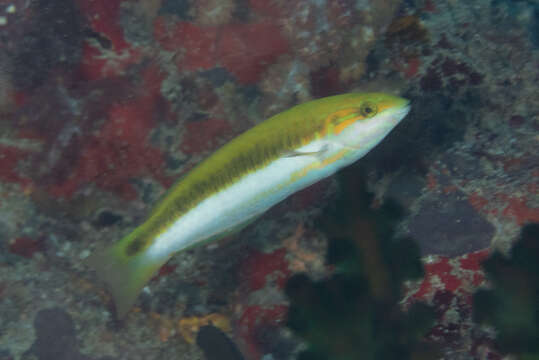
x=104, y=103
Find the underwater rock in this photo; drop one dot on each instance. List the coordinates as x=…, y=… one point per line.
x=469, y=68
x=449, y=225
x=56, y=337
x=189, y=328
x=216, y=345
x=107, y=218
x=52, y=40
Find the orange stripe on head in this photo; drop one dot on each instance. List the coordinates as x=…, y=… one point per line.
x=339, y=120
x=343, y=125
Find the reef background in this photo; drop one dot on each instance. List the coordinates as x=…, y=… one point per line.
x=104, y=103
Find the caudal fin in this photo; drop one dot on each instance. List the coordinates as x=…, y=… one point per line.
x=124, y=275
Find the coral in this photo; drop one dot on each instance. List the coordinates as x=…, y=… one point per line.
x=355, y=312
x=511, y=305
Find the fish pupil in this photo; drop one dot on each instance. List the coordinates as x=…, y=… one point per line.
x=368, y=109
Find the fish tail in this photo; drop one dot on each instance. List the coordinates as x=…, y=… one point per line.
x=124, y=274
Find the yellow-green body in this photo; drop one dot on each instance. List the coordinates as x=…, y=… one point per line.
x=245, y=177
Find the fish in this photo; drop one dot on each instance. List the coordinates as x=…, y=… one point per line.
x=243, y=179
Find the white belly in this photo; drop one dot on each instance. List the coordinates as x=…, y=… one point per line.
x=252, y=195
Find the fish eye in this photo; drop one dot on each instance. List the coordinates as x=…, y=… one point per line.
x=368, y=109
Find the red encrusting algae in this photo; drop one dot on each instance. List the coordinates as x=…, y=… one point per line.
x=472, y=261
x=203, y=135
x=112, y=54
x=477, y=201
x=119, y=151
x=10, y=157
x=260, y=267
x=196, y=45
x=257, y=317
x=103, y=16
x=520, y=211
x=269, y=8
x=412, y=67
x=236, y=47
x=26, y=246
x=243, y=54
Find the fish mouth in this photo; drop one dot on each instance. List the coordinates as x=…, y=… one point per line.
x=401, y=112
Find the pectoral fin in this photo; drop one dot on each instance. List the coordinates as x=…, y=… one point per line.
x=317, y=153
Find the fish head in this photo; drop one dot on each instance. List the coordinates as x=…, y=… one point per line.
x=365, y=119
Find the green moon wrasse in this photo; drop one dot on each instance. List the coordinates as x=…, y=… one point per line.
x=246, y=177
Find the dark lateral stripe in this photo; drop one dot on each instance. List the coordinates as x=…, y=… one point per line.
x=249, y=152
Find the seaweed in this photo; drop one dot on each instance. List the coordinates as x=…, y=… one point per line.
x=511, y=305
x=355, y=313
